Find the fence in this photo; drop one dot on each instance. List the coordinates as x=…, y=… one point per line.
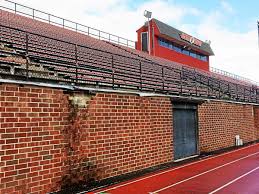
x=231, y=75
x=34, y=57
x=52, y=19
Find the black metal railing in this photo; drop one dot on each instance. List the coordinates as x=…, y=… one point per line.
x=71, y=25
x=233, y=76
x=34, y=57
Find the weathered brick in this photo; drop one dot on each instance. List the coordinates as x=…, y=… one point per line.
x=114, y=134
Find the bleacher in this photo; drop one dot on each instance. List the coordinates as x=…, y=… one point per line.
x=37, y=51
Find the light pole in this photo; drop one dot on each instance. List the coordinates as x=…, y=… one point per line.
x=258, y=31
x=148, y=15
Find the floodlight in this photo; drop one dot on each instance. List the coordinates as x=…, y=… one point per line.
x=147, y=14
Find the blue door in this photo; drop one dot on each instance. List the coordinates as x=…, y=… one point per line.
x=185, y=130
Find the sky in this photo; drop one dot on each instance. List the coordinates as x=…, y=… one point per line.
x=230, y=25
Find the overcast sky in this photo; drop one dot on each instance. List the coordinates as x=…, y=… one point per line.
x=229, y=24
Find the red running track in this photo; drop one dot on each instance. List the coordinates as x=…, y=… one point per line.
x=232, y=172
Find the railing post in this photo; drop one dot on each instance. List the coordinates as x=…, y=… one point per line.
x=257, y=95
x=88, y=31
x=49, y=18
x=256, y=98
x=163, y=79
x=14, y=7
x=244, y=95
x=27, y=61
x=76, y=27
x=219, y=89
x=195, y=79
x=208, y=87
x=99, y=34
x=251, y=94
x=236, y=92
x=228, y=92
x=181, y=81
x=76, y=60
x=32, y=13
x=140, y=77
x=63, y=23
x=112, y=73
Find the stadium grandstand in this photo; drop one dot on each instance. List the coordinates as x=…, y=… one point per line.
x=65, y=54
x=38, y=49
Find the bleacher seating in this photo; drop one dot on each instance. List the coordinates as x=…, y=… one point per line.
x=34, y=26
x=36, y=50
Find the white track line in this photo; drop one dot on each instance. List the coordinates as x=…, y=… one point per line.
x=128, y=183
x=222, y=187
x=213, y=169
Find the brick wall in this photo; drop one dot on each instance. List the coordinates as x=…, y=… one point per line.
x=219, y=122
x=47, y=137
x=30, y=138
x=51, y=139
x=128, y=133
x=256, y=120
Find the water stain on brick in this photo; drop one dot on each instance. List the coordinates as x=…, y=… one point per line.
x=79, y=170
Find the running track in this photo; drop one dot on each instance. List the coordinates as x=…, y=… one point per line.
x=232, y=172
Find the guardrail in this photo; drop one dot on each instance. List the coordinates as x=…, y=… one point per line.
x=34, y=57
x=231, y=75
x=52, y=19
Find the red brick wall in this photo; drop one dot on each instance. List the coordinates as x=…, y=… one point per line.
x=219, y=122
x=45, y=140
x=129, y=133
x=30, y=137
x=256, y=119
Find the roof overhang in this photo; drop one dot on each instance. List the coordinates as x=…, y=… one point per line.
x=182, y=38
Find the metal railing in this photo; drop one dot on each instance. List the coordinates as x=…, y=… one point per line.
x=233, y=76
x=52, y=19
x=55, y=20
x=40, y=58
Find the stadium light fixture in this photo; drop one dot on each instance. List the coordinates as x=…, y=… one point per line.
x=148, y=15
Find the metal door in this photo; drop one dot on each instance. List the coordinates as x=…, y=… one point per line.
x=185, y=131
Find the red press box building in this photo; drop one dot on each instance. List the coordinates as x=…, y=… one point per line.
x=175, y=45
